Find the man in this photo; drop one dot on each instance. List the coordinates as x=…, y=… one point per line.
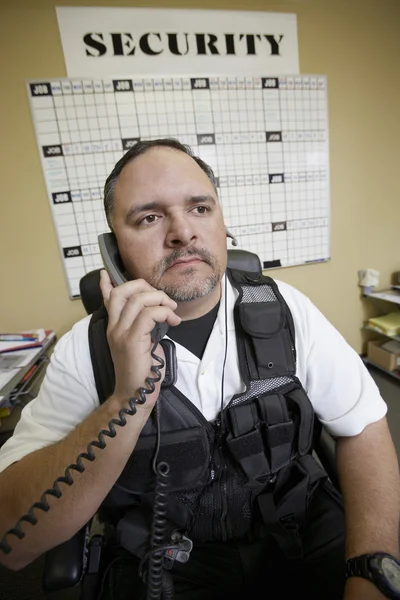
x=163, y=207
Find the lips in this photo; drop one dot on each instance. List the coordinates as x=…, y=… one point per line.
x=186, y=261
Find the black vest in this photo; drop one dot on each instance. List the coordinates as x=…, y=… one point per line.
x=248, y=473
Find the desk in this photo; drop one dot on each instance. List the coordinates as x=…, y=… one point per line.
x=17, y=391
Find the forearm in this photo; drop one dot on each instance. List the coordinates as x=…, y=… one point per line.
x=369, y=477
x=24, y=482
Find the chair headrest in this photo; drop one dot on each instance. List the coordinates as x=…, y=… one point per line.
x=89, y=288
x=89, y=285
x=243, y=260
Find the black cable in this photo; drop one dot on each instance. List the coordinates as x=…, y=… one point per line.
x=88, y=455
x=225, y=357
x=155, y=567
x=158, y=437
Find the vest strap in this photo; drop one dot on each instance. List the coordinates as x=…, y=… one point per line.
x=278, y=430
x=285, y=532
x=306, y=415
x=285, y=513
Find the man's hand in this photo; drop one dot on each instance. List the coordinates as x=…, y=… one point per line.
x=358, y=588
x=133, y=309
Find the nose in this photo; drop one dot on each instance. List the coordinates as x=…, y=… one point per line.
x=180, y=231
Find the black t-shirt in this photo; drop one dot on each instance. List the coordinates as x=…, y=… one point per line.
x=194, y=334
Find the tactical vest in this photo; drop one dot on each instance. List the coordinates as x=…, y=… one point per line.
x=248, y=473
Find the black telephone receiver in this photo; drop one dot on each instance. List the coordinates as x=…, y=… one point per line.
x=111, y=259
x=114, y=266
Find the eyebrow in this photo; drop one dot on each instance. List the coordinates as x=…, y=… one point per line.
x=191, y=201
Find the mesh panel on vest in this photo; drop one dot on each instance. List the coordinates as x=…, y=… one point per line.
x=262, y=386
x=207, y=507
x=259, y=293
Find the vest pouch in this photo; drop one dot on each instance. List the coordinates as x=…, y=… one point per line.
x=269, y=349
x=279, y=442
x=278, y=429
x=248, y=451
x=294, y=496
x=186, y=452
x=262, y=319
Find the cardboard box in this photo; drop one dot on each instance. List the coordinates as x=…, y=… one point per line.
x=388, y=360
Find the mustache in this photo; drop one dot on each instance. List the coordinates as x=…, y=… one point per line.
x=177, y=254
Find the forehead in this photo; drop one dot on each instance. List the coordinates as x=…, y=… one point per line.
x=160, y=173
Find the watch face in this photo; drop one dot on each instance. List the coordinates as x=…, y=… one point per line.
x=391, y=570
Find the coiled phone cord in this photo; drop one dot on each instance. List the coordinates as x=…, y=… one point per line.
x=155, y=570
x=155, y=578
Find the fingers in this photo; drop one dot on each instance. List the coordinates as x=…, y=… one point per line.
x=144, y=324
x=116, y=297
x=137, y=336
x=135, y=305
x=124, y=291
x=106, y=286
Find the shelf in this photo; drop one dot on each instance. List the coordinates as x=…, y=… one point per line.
x=394, y=374
x=392, y=337
x=392, y=295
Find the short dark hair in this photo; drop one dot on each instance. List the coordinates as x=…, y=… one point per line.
x=140, y=148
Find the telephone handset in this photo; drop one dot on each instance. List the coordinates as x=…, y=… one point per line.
x=111, y=259
x=113, y=264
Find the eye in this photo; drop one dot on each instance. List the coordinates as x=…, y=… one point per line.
x=148, y=220
x=201, y=210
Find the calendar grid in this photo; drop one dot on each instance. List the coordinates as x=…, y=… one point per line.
x=266, y=139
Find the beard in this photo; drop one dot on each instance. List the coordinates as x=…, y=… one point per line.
x=190, y=285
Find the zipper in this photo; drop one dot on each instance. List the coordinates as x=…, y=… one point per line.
x=218, y=469
x=215, y=459
x=221, y=506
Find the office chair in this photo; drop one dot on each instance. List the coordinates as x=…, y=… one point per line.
x=75, y=563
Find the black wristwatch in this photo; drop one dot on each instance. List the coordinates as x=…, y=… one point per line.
x=380, y=568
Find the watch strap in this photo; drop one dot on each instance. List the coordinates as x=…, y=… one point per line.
x=358, y=566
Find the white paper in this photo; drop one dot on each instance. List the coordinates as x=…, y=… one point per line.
x=112, y=41
x=10, y=360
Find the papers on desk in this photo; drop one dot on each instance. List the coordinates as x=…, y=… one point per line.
x=8, y=368
x=18, y=365
x=10, y=361
x=16, y=346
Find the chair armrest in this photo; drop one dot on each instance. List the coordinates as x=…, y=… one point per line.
x=325, y=448
x=64, y=565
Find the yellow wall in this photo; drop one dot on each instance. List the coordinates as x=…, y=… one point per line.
x=354, y=42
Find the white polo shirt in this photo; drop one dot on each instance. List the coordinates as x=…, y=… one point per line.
x=344, y=395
